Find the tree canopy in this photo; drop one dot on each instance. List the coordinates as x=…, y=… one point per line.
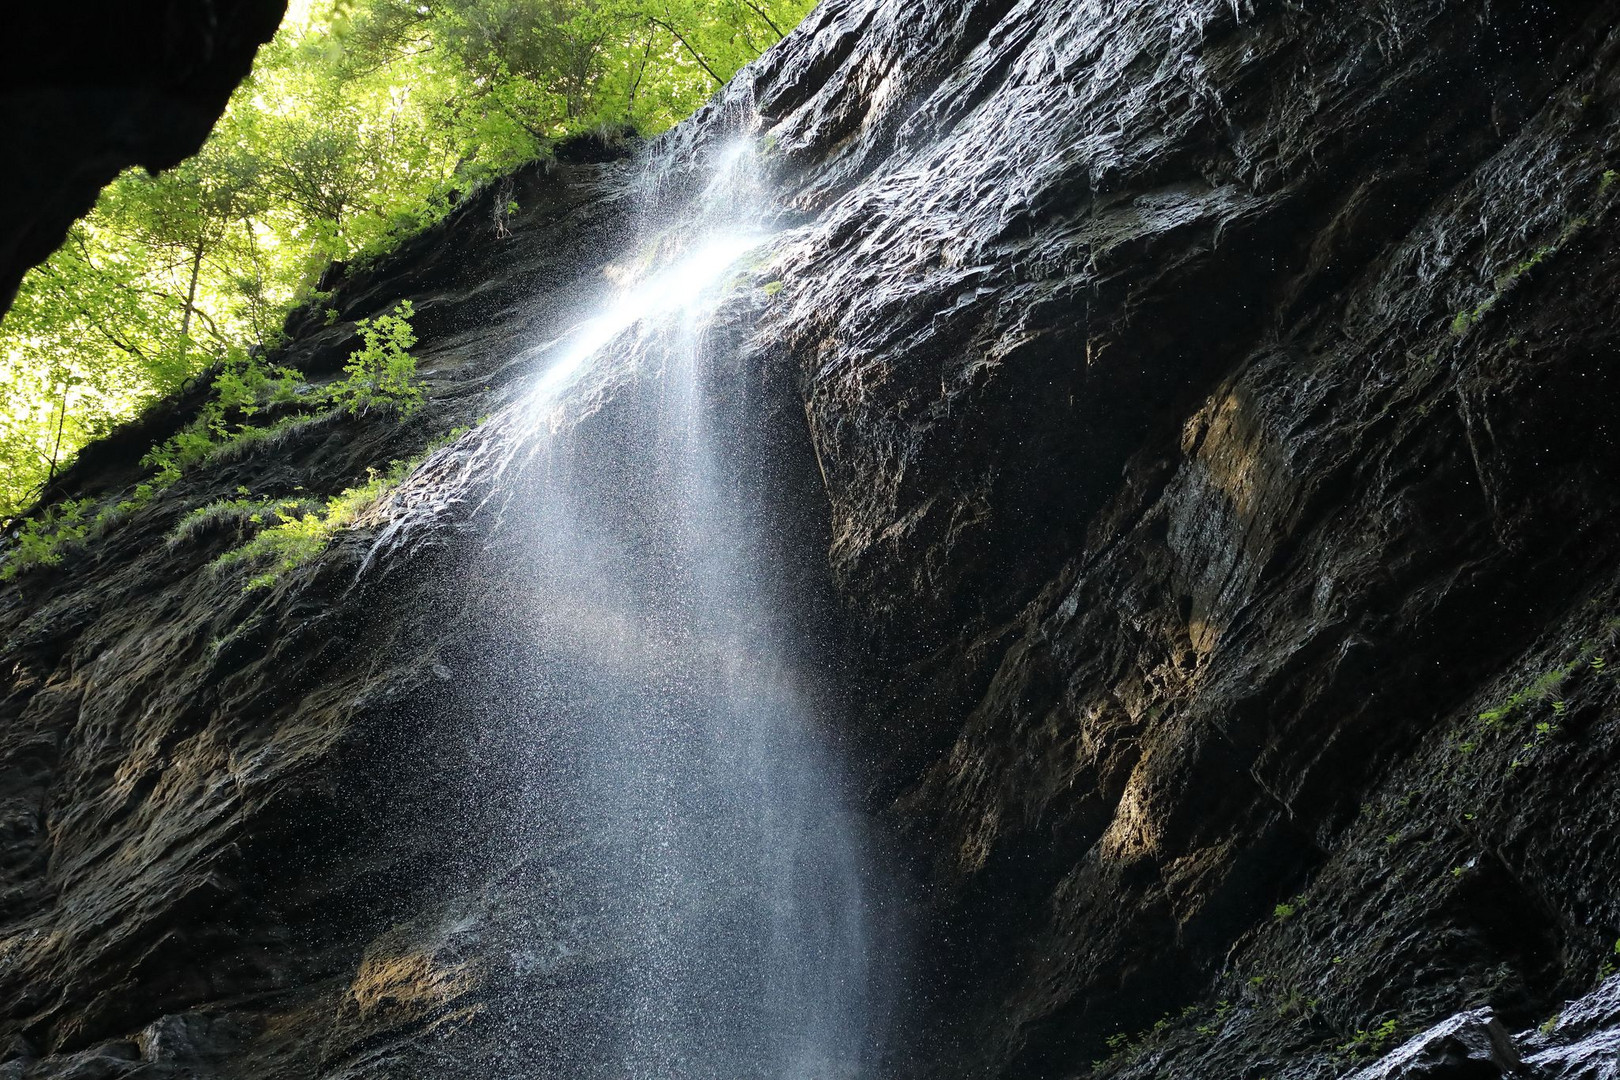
x=361, y=123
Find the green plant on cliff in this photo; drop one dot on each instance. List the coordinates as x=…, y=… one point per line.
x=1611, y=963
x=1293, y=1003
x=1374, y=1042
x=294, y=531
x=243, y=513
x=1465, y=320
x=1543, y=688
x=243, y=387
x=42, y=540
x=300, y=531
x=382, y=371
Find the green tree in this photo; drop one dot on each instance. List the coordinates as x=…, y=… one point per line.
x=360, y=123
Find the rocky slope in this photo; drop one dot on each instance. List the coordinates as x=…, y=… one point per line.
x=1206, y=413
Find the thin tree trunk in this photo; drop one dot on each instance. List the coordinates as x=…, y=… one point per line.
x=61, y=419
x=635, y=87
x=191, y=295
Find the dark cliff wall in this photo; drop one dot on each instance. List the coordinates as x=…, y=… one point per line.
x=1212, y=406
x=220, y=812
x=1217, y=417
x=87, y=91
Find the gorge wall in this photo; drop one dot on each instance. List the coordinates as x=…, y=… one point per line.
x=1206, y=414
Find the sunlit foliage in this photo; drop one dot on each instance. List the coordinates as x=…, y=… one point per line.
x=363, y=121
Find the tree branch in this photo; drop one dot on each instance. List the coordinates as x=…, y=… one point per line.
x=777, y=30
x=704, y=64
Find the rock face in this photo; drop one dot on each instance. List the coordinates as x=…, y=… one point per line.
x=85, y=94
x=1207, y=409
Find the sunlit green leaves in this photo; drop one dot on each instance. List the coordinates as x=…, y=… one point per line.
x=362, y=122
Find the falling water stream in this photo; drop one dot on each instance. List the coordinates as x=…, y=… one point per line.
x=702, y=900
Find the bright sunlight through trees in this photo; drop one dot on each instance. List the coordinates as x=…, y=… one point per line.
x=363, y=122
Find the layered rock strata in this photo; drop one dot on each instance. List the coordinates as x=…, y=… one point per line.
x=1207, y=411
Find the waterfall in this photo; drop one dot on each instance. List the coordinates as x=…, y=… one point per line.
x=692, y=892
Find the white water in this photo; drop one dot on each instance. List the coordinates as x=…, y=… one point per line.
x=699, y=893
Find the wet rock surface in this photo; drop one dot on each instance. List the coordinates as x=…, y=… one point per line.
x=1207, y=412
x=1472, y=1044
x=1582, y=1041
